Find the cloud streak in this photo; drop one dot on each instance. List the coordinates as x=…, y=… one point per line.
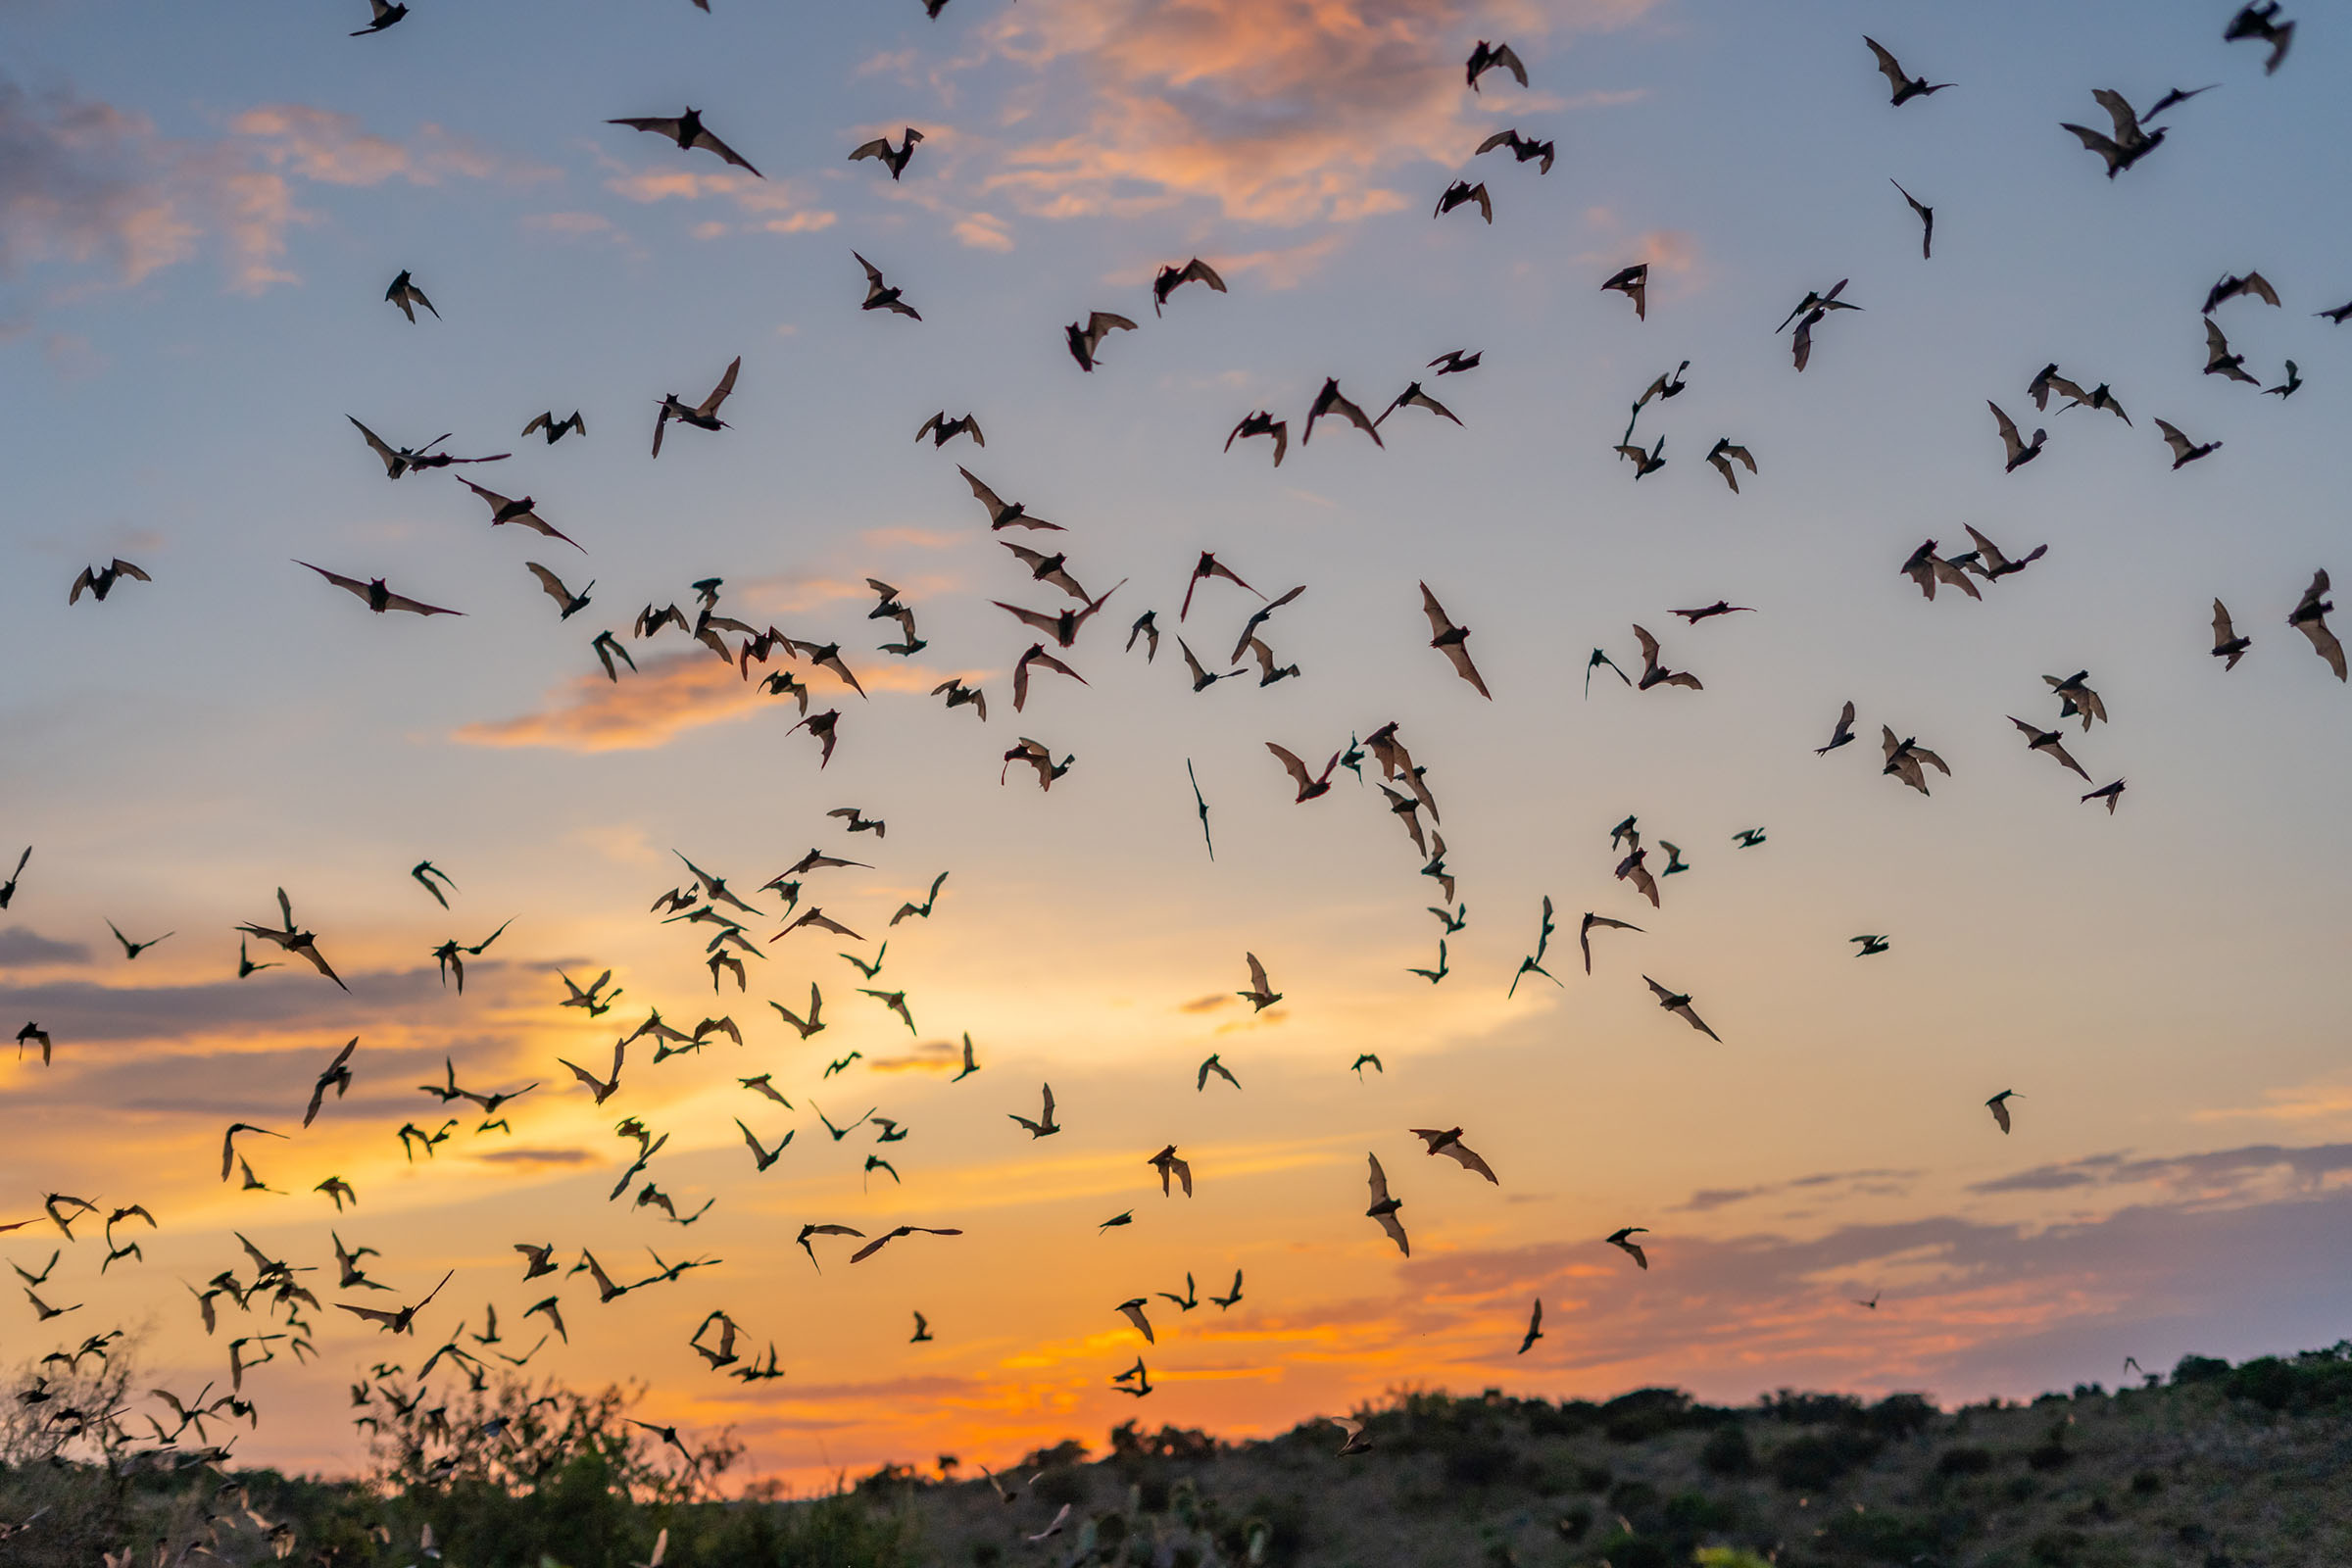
x=668, y=697
x=22, y=948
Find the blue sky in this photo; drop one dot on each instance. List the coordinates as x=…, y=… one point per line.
x=199, y=214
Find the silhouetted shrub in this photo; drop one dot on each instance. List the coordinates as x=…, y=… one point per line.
x=2146, y=1484
x=1963, y=1461
x=1281, y=1525
x=1622, y=1550
x=1900, y=1416
x=2050, y=1455
x=2057, y=1549
x=1635, y=1498
x=2313, y=1380
x=1882, y=1535
x=1690, y=1514
x=1548, y=1420
x=2199, y=1369
x=1129, y=1441
x=1816, y=1460
x=1644, y=1413
x=1062, y=1484
x=1480, y=1461
x=1812, y=1410
x=1727, y=1451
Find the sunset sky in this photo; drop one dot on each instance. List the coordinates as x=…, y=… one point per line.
x=202, y=206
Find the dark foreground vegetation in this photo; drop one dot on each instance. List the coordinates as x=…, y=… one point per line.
x=2214, y=1467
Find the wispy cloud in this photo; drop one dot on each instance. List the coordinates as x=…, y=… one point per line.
x=330, y=148
x=1874, y=1183
x=2223, y=1175
x=932, y=1056
x=767, y=206
x=540, y=1156
x=102, y=194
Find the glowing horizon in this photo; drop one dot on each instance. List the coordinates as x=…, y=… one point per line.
x=195, y=234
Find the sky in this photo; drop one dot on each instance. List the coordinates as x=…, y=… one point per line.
x=201, y=210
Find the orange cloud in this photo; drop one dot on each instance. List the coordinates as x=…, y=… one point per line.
x=772, y=205
x=666, y=697
x=1279, y=110
x=983, y=232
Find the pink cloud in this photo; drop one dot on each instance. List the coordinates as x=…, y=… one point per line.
x=1277, y=110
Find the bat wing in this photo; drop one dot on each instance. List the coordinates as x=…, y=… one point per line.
x=2119, y=109
x=727, y=385
x=1395, y=1231
x=986, y=497
x=709, y=143
x=2102, y=145
x=1887, y=64
x=348, y=584
x=375, y=444
x=418, y=605
x=876, y=1245
x=552, y=584
x=2008, y=427
x=1291, y=764
x=1469, y=1160
x=1027, y=618
x=1378, y=1180
x=1439, y=624
x=2217, y=343
x=1459, y=654
x=2324, y=643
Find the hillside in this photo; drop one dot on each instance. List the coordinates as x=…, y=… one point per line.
x=2213, y=1467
